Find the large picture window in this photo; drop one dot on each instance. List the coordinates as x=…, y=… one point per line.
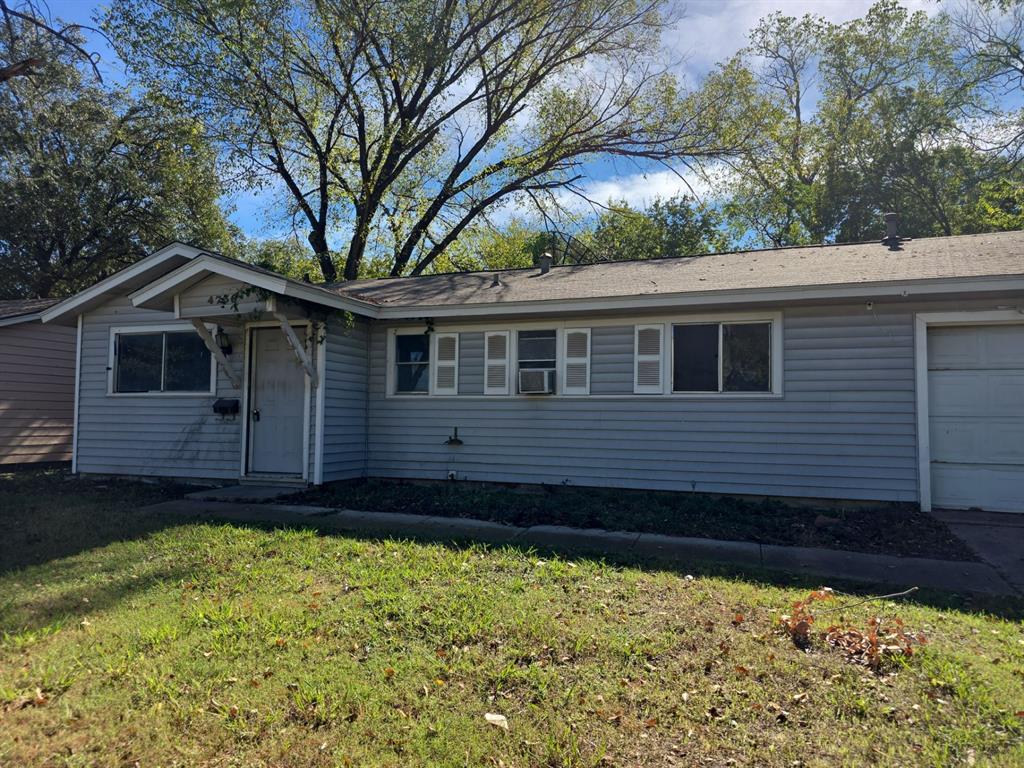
x=412, y=364
x=722, y=357
x=161, y=361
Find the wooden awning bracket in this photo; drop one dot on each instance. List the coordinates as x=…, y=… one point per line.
x=297, y=347
x=217, y=352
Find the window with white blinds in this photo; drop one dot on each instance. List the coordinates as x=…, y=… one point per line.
x=446, y=364
x=576, y=362
x=496, y=354
x=648, y=359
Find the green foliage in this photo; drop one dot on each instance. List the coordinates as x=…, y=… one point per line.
x=678, y=226
x=883, y=133
x=286, y=257
x=91, y=179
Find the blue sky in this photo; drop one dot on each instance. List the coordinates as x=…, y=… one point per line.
x=710, y=31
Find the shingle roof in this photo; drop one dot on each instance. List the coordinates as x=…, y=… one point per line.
x=19, y=307
x=962, y=256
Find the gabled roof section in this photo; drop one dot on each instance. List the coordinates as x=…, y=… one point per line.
x=158, y=294
x=128, y=279
x=935, y=264
x=23, y=310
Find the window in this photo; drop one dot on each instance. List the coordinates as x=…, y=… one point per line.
x=537, y=349
x=722, y=357
x=161, y=361
x=412, y=363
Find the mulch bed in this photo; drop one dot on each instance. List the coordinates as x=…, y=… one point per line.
x=885, y=529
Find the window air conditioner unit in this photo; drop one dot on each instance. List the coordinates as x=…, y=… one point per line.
x=537, y=381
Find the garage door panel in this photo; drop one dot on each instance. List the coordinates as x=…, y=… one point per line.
x=990, y=346
x=981, y=394
x=953, y=348
x=977, y=441
x=976, y=416
x=1003, y=346
x=956, y=486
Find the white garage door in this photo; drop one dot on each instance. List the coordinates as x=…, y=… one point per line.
x=976, y=415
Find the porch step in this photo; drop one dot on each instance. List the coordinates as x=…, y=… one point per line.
x=245, y=492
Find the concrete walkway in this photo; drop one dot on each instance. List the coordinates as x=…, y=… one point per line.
x=998, y=537
x=828, y=563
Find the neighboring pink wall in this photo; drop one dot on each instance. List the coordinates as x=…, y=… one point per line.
x=37, y=392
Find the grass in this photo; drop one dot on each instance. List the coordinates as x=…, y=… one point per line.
x=214, y=645
x=899, y=530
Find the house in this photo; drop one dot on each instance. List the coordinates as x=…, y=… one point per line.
x=890, y=372
x=37, y=385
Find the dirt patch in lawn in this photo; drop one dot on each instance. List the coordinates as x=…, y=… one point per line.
x=896, y=530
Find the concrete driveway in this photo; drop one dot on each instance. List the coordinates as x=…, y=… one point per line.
x=998, y=537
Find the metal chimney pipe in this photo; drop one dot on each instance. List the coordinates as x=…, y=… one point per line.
x=892, y=230
x=545, y=262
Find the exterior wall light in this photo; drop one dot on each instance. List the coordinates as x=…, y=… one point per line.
x=223, y=341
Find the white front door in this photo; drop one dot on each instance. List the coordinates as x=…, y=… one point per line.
x=976, y=416
x=277, y=404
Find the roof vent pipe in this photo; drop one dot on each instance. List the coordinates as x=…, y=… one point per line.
x=545, y=260
x=892, y=231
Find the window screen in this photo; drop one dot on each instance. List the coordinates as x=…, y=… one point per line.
x=537, y=349
x=169, y=361
x=695, y=358
x=412, y=363
x=722, y=357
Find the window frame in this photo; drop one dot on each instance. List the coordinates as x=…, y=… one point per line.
x=392, y=377
x=141, y=330
x=774, y=349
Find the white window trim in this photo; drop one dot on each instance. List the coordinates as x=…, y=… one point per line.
x=115, y=331
x=511, y=328
x=434, y=363
x=774, y=356
x=506, y=389
x=565, y=360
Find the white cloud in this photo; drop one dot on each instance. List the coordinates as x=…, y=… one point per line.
x=713, y=30
x=638, y=189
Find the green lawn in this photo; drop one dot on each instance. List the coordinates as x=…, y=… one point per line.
x=159, y=644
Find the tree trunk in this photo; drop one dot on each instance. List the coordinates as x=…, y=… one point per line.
x=318, y=240
x=357, y=247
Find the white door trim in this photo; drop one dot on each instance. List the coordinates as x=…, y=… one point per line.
x=922, y=321
x=247, y=383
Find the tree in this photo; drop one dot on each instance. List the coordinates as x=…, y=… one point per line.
x=673, y=227
x=25, y=21
x=403, y=122
x=91, y=179
x=890, y=97
x=287, y=257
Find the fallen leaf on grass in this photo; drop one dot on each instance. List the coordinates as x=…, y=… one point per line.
x=37, y=700
x=499, y=721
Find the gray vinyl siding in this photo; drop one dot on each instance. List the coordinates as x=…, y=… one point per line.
x=344, y=453
x=845, y=427
x=37, y=392
x=151, y=435
x=204, y=299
